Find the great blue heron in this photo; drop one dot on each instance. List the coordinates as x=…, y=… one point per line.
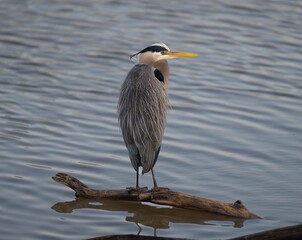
x=143, y=104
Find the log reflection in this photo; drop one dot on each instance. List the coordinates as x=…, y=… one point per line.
x=154, y=216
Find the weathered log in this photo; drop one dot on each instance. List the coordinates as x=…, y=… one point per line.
x=162, y=196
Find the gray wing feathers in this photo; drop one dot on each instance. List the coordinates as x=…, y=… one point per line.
x=134, y=155
x=142, y=114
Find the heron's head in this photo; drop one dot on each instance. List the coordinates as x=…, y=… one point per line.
x=157, y=52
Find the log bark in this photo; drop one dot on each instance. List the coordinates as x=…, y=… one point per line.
x=162, y=196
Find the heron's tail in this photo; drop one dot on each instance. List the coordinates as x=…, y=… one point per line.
x=140, y=170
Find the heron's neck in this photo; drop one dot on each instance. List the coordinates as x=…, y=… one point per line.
x=163, y=67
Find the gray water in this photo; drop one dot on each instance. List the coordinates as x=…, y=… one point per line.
x=234, y=130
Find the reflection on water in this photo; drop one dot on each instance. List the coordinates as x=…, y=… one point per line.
x=156, y=217
x=234, y=130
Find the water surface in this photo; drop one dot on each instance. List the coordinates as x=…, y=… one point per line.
x=234, y=129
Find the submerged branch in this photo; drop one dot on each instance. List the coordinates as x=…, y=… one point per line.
x=285, y=233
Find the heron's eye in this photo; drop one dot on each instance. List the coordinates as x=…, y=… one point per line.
x=163, y=52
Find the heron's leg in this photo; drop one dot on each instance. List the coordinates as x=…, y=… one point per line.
x=137, y=185
x=154, y=180
x=156, y=188
x=137, y=189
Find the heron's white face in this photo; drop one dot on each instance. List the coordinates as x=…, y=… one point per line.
x=153, y=53
x=150, y=57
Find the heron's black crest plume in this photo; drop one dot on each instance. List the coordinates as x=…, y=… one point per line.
x=153, y=48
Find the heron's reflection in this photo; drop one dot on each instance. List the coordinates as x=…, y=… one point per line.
x=155, y=216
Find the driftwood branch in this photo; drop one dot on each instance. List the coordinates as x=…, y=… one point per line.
x=163, y=196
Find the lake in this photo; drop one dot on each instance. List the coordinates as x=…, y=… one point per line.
x=234, y=129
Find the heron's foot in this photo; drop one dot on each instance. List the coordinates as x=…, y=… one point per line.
x=137, y=190
x=160, y=189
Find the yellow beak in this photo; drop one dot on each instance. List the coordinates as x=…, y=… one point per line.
x=179, y=54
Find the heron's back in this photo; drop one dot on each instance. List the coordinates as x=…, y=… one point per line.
x=142, y=112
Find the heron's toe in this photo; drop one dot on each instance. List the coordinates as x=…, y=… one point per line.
x=160, y=189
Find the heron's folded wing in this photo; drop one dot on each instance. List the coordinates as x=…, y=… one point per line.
x=134, y=155
x=148, y=153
